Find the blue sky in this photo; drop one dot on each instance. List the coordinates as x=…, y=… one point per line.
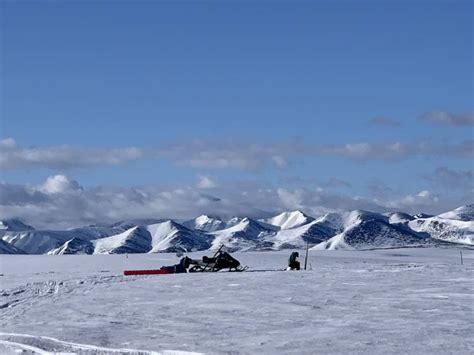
x=320, y=88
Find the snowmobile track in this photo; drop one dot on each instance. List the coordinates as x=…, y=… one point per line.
x=46, y=345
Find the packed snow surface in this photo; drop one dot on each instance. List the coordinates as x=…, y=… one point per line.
x=396, y=301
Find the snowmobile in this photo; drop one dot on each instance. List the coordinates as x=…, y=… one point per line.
x=220, y=261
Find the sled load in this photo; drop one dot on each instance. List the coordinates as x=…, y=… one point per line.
x=221, y=260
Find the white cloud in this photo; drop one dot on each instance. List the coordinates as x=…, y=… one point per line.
x=225, y=155
x=291, y=200
x=59, y=184
x=206, y=155
x=13, y=156
x=220, y=155
x=399, y=150
x=205, y=182
x=61, y=202
x=448, y=118
x=422, y=201
x=425, y=194
x=7, y=143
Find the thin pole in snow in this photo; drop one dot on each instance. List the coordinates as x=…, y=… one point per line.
x=306, y=257
x=460, y=252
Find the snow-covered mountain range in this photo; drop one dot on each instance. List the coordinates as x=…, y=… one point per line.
x=289, y=230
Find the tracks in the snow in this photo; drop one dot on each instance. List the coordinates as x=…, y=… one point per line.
x=13, y=342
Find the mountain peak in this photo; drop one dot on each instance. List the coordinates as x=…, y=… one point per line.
x=14, y=224
x=205, y=223
x=206, y=217
x=288, y=220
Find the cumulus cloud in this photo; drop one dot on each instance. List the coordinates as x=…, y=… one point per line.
x=383, y=121
x=61, y=202
x=59, y=184
x=13, y=156
x=448, y=118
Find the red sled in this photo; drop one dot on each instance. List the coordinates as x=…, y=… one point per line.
x=146, y=272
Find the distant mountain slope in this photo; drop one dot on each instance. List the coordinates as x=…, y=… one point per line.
x=248, y=234
x=463, y=213
x=37, y=242
x=170, y=236
x=313, y=233
x=166, y=236
x=15, y=225
x=122, y=226
x=447, y=230
x=367, y=230
x=289, y=230
x=205, y=223
x=134, y=240
x=74, y=246
x=456, y=226
x=95, y=231
x=288, y=220
x=7, y=248
x=43, y=241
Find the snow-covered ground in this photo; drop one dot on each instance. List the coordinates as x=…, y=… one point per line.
x=417, y=301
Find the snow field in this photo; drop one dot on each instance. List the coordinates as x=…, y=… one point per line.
x=415, y=301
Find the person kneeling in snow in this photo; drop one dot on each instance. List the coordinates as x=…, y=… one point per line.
x=182, y=267
x=294, y=264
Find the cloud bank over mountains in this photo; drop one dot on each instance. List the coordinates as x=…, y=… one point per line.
x=60, y=202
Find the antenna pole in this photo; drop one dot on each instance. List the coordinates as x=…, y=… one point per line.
x=306, y=257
